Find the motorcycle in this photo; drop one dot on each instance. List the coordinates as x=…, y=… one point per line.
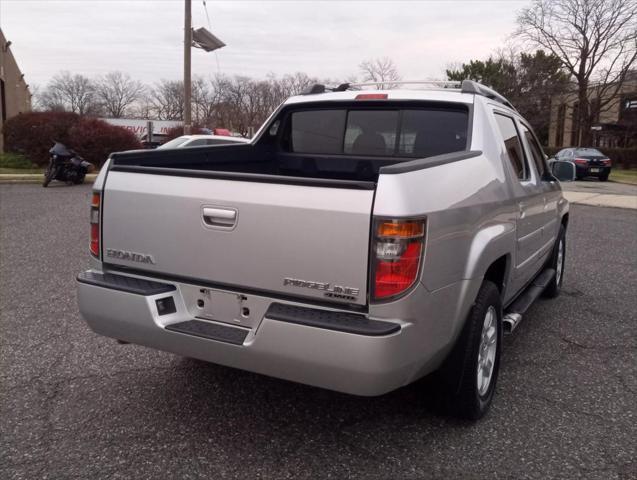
x=66, y=165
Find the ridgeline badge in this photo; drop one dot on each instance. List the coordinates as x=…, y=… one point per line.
x=333, y=291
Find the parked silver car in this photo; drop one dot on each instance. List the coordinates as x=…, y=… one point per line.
x=201, y=141
x=362, y=240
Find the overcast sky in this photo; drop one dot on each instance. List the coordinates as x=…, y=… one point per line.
x=325, y=39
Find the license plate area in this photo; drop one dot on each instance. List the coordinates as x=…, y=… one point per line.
x=595, y=170
x=222, y=306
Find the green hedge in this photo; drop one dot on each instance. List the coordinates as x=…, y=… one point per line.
x=14, y=160
x=621, y=157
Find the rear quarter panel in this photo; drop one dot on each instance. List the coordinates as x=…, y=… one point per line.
x=471, y=222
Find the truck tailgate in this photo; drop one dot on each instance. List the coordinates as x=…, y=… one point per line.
x=296, y=240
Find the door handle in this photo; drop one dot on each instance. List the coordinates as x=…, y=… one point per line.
x=219, y=217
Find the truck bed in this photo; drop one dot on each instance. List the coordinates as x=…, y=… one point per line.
x=253, y=159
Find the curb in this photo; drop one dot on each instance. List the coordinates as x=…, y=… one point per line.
x=602, y=200
x=34, y=178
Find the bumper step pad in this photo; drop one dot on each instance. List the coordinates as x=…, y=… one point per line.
x=211, y=331
x=123, y=283
x=330, y=320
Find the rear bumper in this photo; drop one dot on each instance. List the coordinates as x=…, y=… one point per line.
x=337, y=350
x=582, y=171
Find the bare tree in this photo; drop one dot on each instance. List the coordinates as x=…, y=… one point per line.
x=144, y=107
x=168, y=100
x=294, y=84
x=117, y=92
x=36, y=98
x=381, y=70
x=596, y=41
x=74, y=93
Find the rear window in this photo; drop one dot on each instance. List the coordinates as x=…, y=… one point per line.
x=413, y=132
x=589, y=152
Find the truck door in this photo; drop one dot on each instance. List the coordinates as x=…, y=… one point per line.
x=528, y=198
x=550, y=190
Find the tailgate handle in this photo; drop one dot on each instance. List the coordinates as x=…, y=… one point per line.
x=219, y=217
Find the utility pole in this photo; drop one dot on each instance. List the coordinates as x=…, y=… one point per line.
x=187, y=80
x=199, y=38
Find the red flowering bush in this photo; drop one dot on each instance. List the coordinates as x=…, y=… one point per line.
x=95, y=140
x=32, y=134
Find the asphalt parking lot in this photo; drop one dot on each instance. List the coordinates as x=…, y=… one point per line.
x=75, y=405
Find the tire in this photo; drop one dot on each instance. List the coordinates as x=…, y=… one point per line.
x=554, y=287
x=49, y=173
x=603, y=178
x=471, y=371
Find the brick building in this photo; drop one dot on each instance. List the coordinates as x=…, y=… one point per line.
x=15, y=96
x=615, y=125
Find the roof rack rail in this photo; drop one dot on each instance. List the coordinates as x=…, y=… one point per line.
x=470, y=86
x=320, y=88
x=465, y=86
x=434, y=83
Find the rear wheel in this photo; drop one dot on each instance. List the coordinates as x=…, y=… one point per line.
x=471, y=371
x=557, y=262
x=603, y=178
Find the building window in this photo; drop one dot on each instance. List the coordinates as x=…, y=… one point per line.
x=628, y=109
x=3, y=103
x=595, y=109
x=561, y=119
x=575, y=125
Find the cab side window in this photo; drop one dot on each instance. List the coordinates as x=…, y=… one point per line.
x=536, y=151
x=513, y=145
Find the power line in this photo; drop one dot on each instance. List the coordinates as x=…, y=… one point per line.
x=205, y=9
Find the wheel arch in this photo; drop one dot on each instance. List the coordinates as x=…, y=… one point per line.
x=498, y=272
x=490, y=255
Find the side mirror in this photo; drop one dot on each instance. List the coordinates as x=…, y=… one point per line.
x=563, y=171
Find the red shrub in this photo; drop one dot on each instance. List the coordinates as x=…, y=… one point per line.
x=95, y=140
x=32, y=134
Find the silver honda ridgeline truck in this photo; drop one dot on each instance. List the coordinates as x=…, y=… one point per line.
x=362, y=240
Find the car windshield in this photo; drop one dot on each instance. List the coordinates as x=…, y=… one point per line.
x=589, y=152
x=174, y=143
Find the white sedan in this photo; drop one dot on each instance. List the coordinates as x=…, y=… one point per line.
x=200, y=140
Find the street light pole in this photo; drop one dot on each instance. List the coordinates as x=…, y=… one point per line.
x=199, y=38
x=187, y=80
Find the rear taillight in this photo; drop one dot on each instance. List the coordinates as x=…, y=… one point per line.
x=397, y=250
x=581, y=161
x=606, y=162
x=94, y=244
